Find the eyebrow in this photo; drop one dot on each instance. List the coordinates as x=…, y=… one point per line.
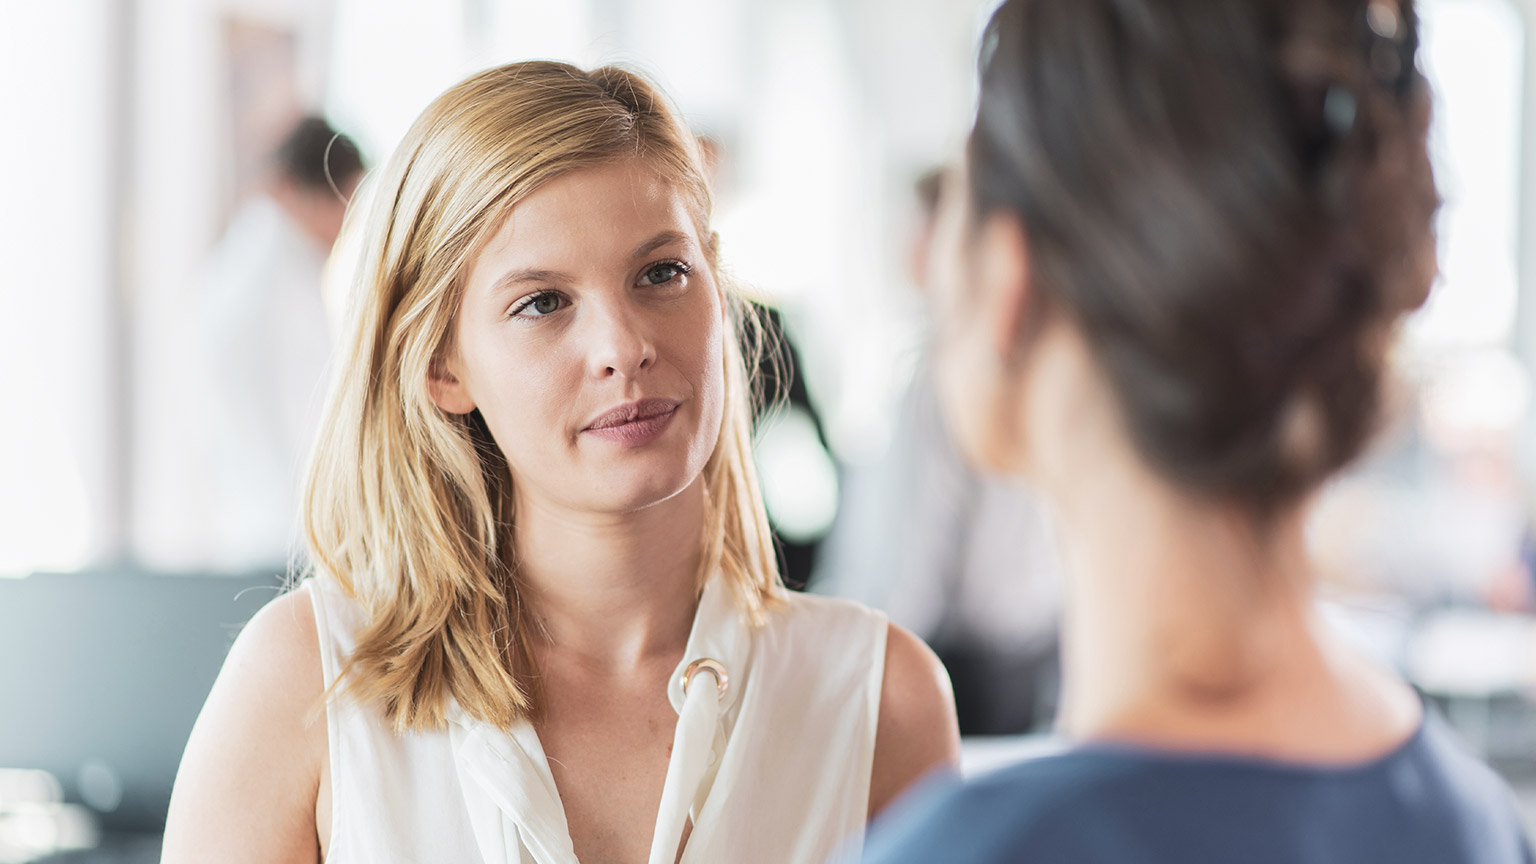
x=514, y=278
x=527, y=274
x=665, y=238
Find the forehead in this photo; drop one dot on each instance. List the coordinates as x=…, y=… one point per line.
x=587, y=216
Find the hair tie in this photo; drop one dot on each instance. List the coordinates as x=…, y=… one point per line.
x=1392, y=43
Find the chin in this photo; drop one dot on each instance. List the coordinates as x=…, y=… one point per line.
x=982, y=454
x=639, y=483
x=963, y=427
x=632, y=480
x=989, y=449
x=975, y=419
x=643, y=494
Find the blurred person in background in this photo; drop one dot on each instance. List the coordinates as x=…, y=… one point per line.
x=265, y=344
x=962, y=558
x=543, y=621
x=1174, y=261
x=782, y=409
x=783, y=395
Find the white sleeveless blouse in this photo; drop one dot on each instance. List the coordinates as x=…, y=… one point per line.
x=784, y=781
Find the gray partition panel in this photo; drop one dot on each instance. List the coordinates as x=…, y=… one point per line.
x=102, y=675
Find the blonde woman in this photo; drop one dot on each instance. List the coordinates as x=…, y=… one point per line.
x=544, y=623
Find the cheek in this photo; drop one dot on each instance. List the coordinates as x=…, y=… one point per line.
x=968, y=375
x=945, y=255
x=954, y=360
x=710, y=357
x=523, y=394
x=698, y=351
x=962, y=395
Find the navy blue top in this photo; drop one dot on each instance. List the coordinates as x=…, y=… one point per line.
x=1427, y=802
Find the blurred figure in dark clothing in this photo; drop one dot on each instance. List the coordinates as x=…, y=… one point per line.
x=790, y=441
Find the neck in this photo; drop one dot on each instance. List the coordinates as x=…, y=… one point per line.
x=1187, y=625
x=612, y=590
x=1177, y=611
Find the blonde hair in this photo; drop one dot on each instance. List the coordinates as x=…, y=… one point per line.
x=409, y=508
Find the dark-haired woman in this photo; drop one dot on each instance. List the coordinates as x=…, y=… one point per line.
x=1173, y=262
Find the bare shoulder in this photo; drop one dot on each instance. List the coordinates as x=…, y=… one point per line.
x=917, y=732
x=248, y=782
x=277, y=657
x=285, y=631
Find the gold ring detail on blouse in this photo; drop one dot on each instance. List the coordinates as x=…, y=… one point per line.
x=705, y=664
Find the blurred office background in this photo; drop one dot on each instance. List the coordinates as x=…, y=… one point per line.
x=137, y=135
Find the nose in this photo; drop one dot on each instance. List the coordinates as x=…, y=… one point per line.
x=619, y=344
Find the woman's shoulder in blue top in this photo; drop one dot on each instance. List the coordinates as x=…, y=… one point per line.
x=1427, y=802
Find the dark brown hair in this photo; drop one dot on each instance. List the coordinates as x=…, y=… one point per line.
x=1233, y=200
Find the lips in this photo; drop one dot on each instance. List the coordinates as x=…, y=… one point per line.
x=634, y=424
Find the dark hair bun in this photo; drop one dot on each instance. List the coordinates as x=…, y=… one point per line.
x=1233, y=199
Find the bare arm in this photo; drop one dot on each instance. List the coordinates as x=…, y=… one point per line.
x=917, y=732
x=251, y=775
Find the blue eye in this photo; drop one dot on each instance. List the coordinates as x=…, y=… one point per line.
x=661, y=274
x=539, y=305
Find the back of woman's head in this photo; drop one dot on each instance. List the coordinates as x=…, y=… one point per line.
x=410, y=507
x=1233, y=201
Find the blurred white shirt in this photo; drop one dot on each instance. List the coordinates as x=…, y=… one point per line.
x=266, y=348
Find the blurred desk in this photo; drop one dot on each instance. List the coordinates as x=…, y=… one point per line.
x=1480, y=667
x=1473, y=653
x=117, y=847
x=102, y=675
x=983, y=754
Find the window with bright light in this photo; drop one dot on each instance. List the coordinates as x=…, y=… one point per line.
x=1473, y=52
x=1462, y=340
x=56, y=433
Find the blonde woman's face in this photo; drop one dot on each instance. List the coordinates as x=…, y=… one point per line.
x=590, y=339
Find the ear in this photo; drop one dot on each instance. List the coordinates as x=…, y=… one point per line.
x=447, y=390
x=1001, y=273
